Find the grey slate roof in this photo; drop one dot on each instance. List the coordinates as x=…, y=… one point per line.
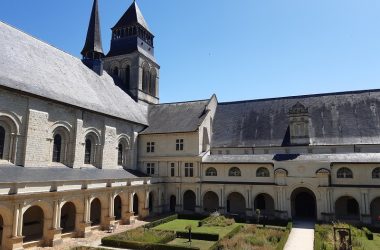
x=336, y=118
x=132, y=16
x=175, y=117
x=20, y=174
x=272, y=158
x=32, y=66
x=94, y=37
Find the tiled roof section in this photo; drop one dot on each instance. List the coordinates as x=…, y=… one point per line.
x=175, y=117
x=273, y=158
x=335, y=118
x=132, y=16
x=21, y=174
x=35, y=67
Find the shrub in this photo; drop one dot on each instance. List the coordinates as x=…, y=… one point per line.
x=142, y=235
x=368, y=233
x=144, y=245
x=216, y=221
x=198, y=236
x=252, y=237
x=192, y=216
x=161, y=221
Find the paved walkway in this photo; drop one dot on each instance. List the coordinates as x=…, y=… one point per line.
x=94, y=240
x=301, y=237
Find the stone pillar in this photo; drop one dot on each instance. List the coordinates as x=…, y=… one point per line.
x=53, y=237
x=145, y=208
x=198, y=206
x=178, y=207
x=109, y=218
x=85, y=225
x=222, y=208
x=126, y=210
x=16, y=241
x=249, y=208
x=365, y=213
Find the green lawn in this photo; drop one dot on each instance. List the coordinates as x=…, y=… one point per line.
x=371, y=244
x=180, y=225
x=202, y=244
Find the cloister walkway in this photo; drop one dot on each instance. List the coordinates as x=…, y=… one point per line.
x=301, y=236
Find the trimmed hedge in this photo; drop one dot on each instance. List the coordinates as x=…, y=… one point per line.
x=161, y=221
x=192, y=216
x=144, y=246
x=198, y=236
x=159, y=236
x=368, y=233
x=234, y=231
x=216, y=221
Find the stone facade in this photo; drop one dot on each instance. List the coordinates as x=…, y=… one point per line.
x=68, y=166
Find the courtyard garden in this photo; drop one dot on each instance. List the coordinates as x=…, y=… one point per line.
x=362, y=238
x=214, y=232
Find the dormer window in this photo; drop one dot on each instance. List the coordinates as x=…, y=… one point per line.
x=299, y=124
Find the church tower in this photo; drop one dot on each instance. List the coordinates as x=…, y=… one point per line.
x=93, y=50
x=130, y=60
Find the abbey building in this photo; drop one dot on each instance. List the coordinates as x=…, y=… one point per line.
x=85, y=144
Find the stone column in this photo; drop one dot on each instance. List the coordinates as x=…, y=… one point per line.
x=85, y=225
x=365, y=213
x=127, y=210
x=178, y=207
x=222, y=208
x=198, y=207
x=16, y=240
x=109, y=219
x=53, y=237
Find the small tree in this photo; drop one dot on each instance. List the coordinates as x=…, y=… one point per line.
x=189, y=229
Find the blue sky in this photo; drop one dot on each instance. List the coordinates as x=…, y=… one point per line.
x=237, y=49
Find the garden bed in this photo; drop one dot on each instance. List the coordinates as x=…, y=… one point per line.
x=258, y=238
x=324, y=238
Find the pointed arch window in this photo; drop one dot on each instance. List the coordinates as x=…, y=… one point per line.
x=120, y=154
x=2, y=141
x=87, y=154
x=57, y=147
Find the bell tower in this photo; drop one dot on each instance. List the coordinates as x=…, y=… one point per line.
x=131, y=60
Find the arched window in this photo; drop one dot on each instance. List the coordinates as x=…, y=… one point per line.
x=120, y=155
x=2, y=141
x=344, y=173
x=115, y=71
x=211, y=172
x=87, y=154
x=127, y=76
x=152, y=84
x=234, y=171
x=262, y=172
x=145, y=80
x=57, y=146
x=376, y=173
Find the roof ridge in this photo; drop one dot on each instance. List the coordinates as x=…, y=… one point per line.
x=38, y=39
x=173, y=103
x=304, y=96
